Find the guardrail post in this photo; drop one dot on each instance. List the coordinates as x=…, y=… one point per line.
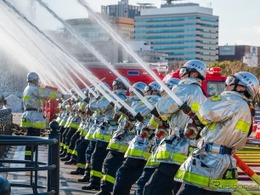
x=54, y=158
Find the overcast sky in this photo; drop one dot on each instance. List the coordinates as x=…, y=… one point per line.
x=239, y=20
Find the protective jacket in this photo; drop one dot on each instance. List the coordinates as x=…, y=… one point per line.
x=211, y=166
x=33, y=99
x=140, y=147
x=175, y=148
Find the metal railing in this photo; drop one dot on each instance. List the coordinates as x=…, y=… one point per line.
x=34, y=165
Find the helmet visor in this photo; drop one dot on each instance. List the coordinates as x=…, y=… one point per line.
x=232, y=80
x=183, y=71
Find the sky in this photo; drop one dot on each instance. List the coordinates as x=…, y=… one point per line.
x=239, y=21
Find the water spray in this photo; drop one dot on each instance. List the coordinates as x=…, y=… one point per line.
x=118, y=39
x=93, y=50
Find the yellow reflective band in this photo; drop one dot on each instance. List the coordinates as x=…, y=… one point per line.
x=195, y=106
x=89, y=136
x=26, y=98
x=25, y=124
x=164, y=118
x=112, y=145
x=153, y=122
x=53, y=95
x=150, y=162
x=81, y=166
x=39, y=125
x=212, y=126
x=108, y=178
x=180, y=158
x=242, y=126
x=215, y=98
x=28, y=153
x=95, y=173
x=75, y=152
x=69, y=151
x=123, y=148
x=61, y=144
x=138, y=153
x=102, y=137
x=66, y=147
x=205, y=181
x=63, y=123
x=85, y=133
x=162, y=155
x=75, y=126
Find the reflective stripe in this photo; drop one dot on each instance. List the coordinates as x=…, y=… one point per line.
x=102, y=137
x=138, y=153
x=165, y=155
x=216, y=98
x=242, y=126
x=88, y=166
x=108, y=178
x=212, y=126
x=80, y=165
x=75, y=152
x=61, y=144
x=150, y=162
x=195, y=106
x=89, y=136
x=205, y=181
x=116, y=146
x=75, y=126
x=153, y=122
x=53, y=95
x=95, y=173
x=28, y=153
x=26, y=98
x=84, y=133
x=69, y=151
x=36, y=125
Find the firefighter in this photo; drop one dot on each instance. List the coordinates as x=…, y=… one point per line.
x=160, y=133
x=119, y=143
x=211, y=169
x=174, y=149
x=82, y=143
x=94, y=122
x=139, y=148
x=103, y=134
x=33, y=99
x=72, y=134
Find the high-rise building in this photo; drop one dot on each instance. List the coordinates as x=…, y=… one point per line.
x=184, y=31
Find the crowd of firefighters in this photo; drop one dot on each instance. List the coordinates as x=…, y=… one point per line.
x=170, y=149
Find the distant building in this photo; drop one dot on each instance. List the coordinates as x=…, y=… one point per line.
x=124, y=10
x=183, y=31
x=248, y=54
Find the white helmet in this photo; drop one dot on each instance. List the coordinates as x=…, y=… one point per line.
x=170, y=82
x=32, y=76
x=153, y=86
x=119, y=84
x=194, y=66
x=139, y=86
x=246, y=79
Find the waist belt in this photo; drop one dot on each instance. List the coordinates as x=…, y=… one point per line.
x=32, y=109
x=215, y=148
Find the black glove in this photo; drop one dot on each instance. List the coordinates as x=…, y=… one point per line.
x=138, y=117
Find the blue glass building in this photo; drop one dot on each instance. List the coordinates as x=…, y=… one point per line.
x=184, y=31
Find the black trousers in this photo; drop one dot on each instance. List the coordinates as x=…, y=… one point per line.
x=144, y=178
x=82, y=145
x=162, y=180
x=186, y=189
x=113, y=161
x=127, y=175
x=29, y=150
x=97, y=159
